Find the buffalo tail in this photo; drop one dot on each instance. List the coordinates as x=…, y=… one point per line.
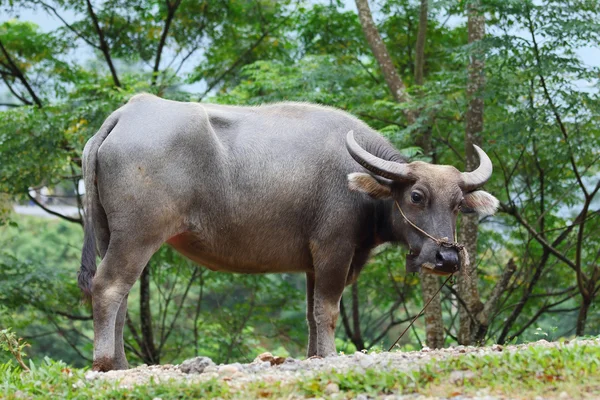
x=92, y=200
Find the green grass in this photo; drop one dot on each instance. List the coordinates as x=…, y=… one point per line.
x=525, y=374
x=54, y=379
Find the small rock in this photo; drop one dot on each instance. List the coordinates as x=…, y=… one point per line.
x=331, y=388
x=290, y=360
x=238, y=374
x=425, y=349
x=274, y=360
x=362, y=397
x=196, y=365
x=278, y=360
x=263, y=357
x=91, y=375
x=366, y=362
x=263, y=365
x=497, y=347
x=290, y=367
x=228, y=370
x=459, y=376
x=211, y=369
x=563, y=395
x=270, y=379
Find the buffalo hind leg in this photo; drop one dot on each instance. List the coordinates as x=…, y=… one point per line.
x=331, y=269
x=310, y=316
x=121, y=267
x=120, y=360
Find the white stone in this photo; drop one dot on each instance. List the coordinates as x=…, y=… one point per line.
x=228, y=370
x=332, y=388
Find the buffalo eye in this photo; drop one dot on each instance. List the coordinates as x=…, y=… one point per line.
x=416, y=197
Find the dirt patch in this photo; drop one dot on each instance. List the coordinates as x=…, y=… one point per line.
x=270, y=369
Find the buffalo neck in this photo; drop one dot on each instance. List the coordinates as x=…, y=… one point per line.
x=384, y=223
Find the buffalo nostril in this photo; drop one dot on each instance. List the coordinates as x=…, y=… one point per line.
x=447, y=260
x=439, y=258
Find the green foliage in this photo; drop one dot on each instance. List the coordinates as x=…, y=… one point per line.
x=14, y=345
x=541, y=130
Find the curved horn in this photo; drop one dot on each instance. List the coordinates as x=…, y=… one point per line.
x=473, y=180
x=378, y=166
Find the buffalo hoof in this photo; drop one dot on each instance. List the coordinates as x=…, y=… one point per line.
x=103, y=364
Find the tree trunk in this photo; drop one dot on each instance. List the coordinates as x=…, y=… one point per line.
x=149, y=352
x=429, y=284
x=420, y=46
x=434, y=324
x=467, y=283
x=423, y=136
x=582, y=317
x=384, y=60
x=357, y=338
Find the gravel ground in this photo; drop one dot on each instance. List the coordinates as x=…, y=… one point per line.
x=269, y=368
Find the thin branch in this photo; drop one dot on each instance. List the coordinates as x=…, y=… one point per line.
x=513, y=211
x=561, y=125
x=104, y=48
x=14, y=92
x=65, y=23
x=171, y=9
x=19, y=74
x=57, y=214
x=241, y=58
x=135, y=334
x=537, y=315
x=64, y=335
x=74, y=317
x=183, y=297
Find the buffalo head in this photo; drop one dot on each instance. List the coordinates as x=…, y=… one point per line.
x=430, y=196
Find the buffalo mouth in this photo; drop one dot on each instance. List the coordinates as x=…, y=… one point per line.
x=414, y=265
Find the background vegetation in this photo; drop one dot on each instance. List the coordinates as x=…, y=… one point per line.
x=505, y=74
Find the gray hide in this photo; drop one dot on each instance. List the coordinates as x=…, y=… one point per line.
x=252, y=190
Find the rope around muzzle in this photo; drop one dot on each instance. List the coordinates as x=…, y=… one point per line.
x=464, y=265
x=444, y=242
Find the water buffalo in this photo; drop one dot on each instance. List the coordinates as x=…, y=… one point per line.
x=288, y=187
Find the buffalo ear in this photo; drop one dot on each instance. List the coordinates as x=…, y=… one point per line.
x=480, y=202
x=365, y=183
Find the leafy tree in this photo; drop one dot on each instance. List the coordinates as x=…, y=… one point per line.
x=540, y=127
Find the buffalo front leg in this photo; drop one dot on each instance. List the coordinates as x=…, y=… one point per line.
x=121, y=267
x=331, y=270
x=310, y=315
